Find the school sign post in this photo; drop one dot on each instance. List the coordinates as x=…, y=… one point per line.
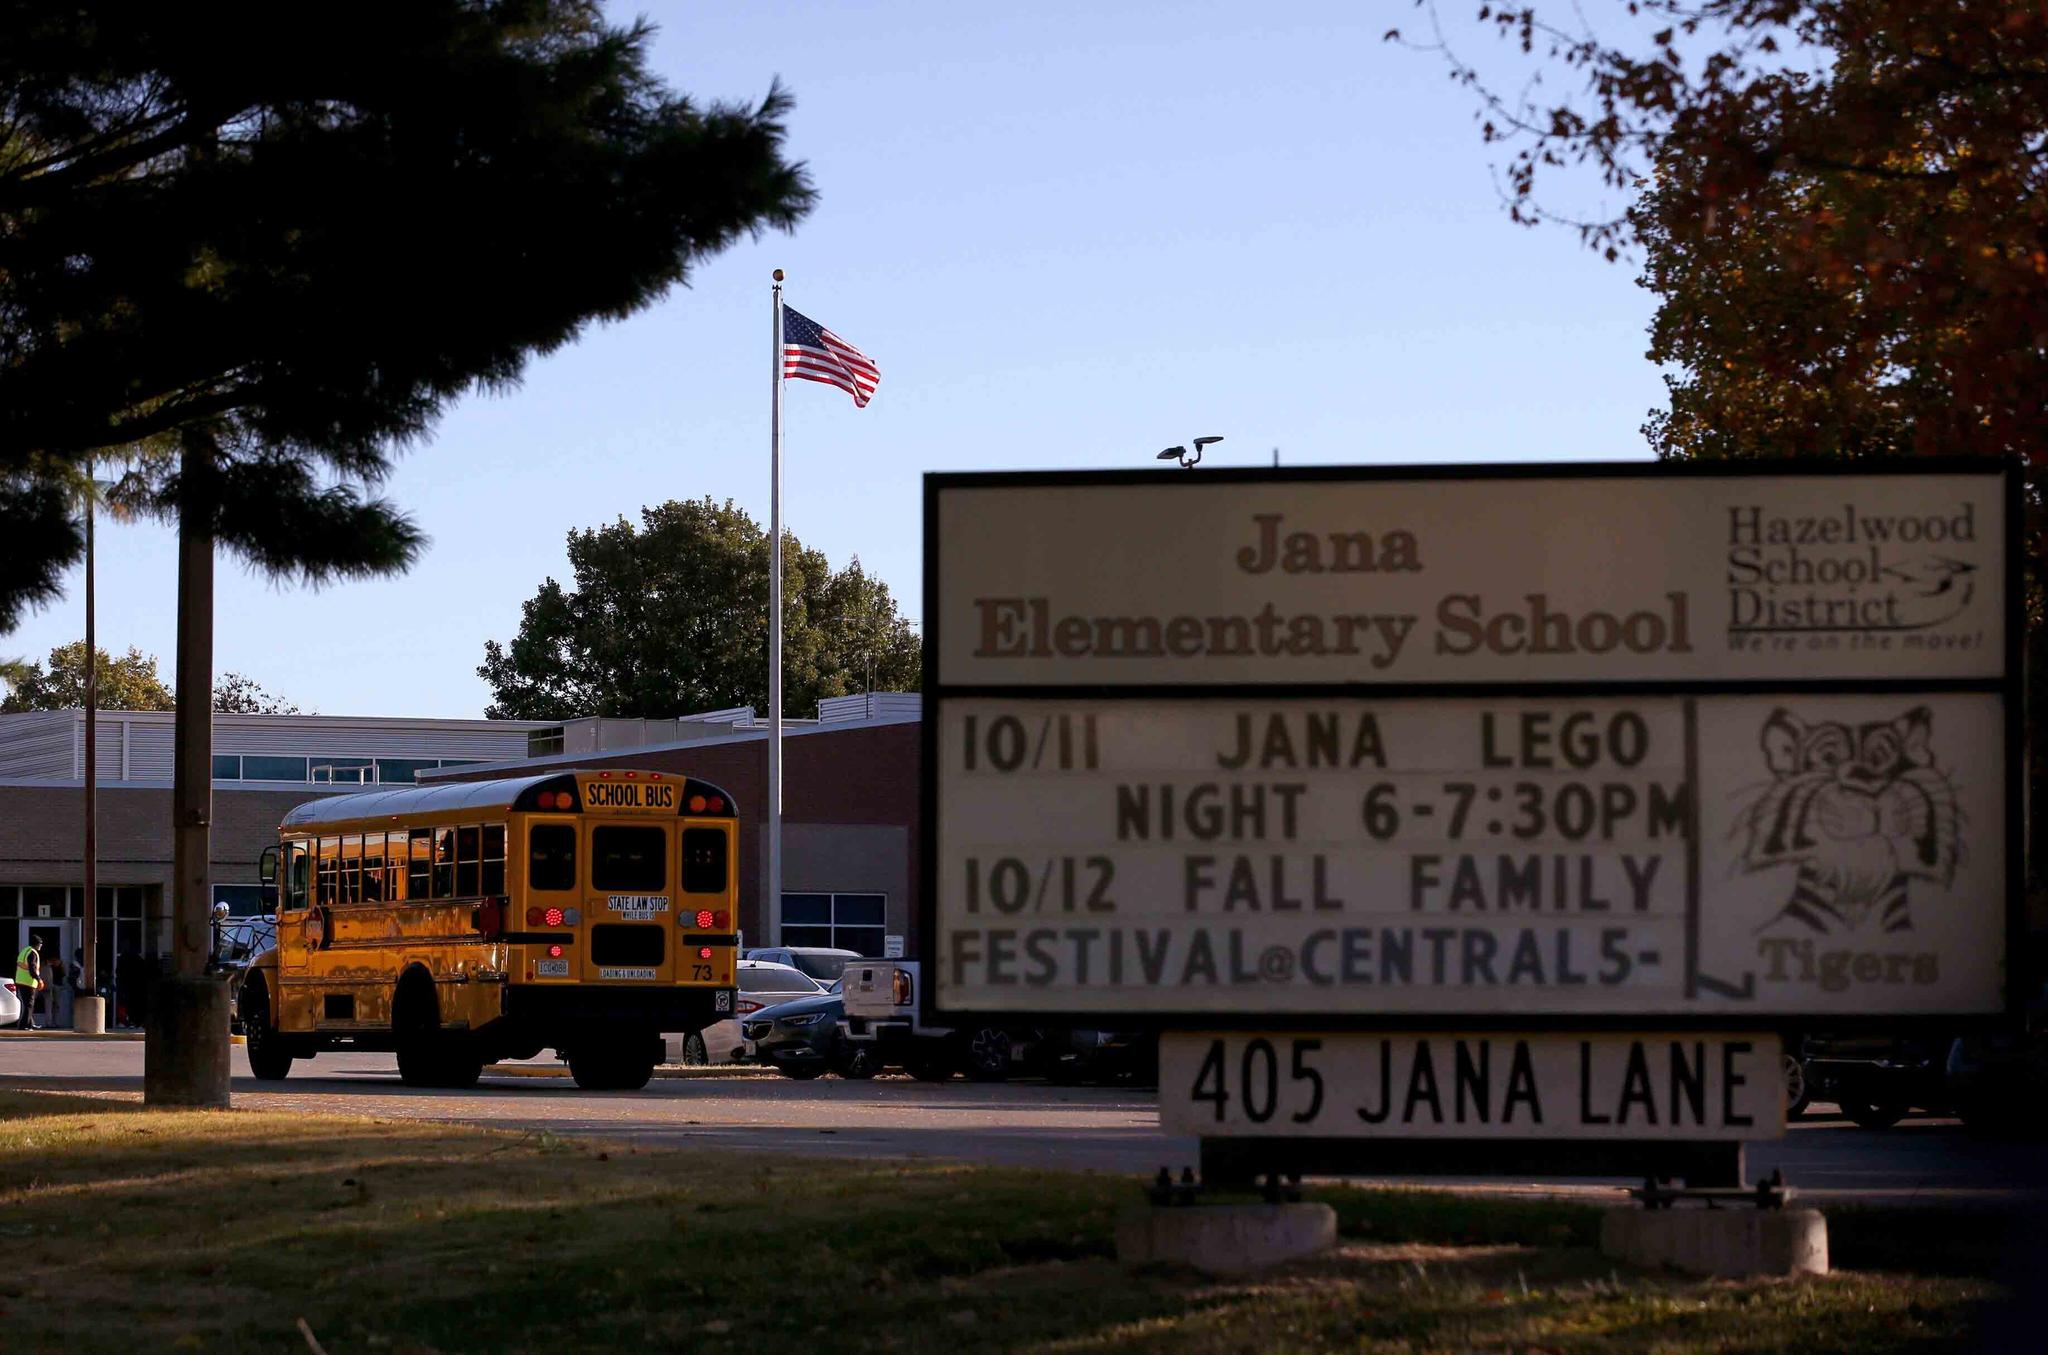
x=1454, y=803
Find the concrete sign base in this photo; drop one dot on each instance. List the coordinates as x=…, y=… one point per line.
x=1225, y=1239
x=1724, y=1242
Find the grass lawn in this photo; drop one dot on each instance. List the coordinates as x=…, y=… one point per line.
x=135, y=1231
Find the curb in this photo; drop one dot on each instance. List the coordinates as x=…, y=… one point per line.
x=104, y=1037
x=673, y=1072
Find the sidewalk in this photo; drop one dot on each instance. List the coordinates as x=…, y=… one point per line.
x=11, y=1032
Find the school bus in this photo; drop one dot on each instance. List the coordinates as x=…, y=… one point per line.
x=586, y=911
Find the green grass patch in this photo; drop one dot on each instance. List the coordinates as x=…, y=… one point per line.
x=129, y=1231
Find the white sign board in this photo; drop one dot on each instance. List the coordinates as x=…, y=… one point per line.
x=1651, y=855
x=1531, y=747
x=892, y=947
x=1528, y=578
x=1444, y=1085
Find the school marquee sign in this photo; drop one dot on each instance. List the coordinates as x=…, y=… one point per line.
x=1457, y=748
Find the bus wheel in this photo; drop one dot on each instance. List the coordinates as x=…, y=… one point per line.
x=460, y=1064
x=416, y=1017
x=269, y=1057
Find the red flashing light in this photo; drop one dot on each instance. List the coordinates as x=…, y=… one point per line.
x=552, y=917
x=704, y=920
x=703, y=952
x=604, y=776
x=696, y=804
x=554, y=952
x=715, y=804
x=654, y=776
x=631, y=775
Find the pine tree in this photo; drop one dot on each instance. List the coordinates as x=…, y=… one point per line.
x=253, y=248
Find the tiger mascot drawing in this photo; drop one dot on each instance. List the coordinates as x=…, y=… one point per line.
x=1860, y=810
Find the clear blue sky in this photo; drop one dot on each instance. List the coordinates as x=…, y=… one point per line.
x=1071, y=234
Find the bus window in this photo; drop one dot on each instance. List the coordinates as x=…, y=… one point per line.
x=551, y=856
x=418, y=864
x=494, y=860
x=330, y=870
x=297, y=873
x=352, y=868
x=373, y=868
x=703, y=860
x=466, y=857
x=632, y=859
x=444, y=863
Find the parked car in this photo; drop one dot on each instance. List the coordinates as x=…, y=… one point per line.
x=1876, y=1079
x=881, y=1020
x=10, y=1003
x=1100, y=1056
x=823, y=963
x=802, y=1039
x=761, y=983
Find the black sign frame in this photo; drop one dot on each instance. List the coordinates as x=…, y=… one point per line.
x=2010, y=688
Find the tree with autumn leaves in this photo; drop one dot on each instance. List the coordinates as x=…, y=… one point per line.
x=1838, y=203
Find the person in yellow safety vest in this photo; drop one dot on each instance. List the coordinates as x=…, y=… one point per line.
x=28, y=980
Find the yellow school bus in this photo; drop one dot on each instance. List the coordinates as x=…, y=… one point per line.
x=584, y=911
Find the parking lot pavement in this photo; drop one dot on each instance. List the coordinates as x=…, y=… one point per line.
x=1017, y=1124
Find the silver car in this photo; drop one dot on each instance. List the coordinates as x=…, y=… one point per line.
x=761, y=984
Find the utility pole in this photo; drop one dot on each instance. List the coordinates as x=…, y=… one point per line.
x=185, y=1049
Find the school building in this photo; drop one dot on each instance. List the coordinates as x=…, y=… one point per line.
x=849, y=823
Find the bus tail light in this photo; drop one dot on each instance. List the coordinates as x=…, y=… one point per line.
x=553, y=917
x=555, y=951
x=703, y=952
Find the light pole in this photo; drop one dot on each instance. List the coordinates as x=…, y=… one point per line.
x=1187, y=458
x=89, y=1010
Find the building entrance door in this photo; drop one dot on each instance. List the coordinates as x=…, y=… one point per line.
x=60, y=936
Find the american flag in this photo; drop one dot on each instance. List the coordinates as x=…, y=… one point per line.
x=811, y=352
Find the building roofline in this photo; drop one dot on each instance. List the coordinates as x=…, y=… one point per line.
x=331, y=721
x=790, y=729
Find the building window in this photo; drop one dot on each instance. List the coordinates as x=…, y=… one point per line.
x=269, y=767
x=403, y=771
x=856, y=922
x=227, y=768
x=343, y=771
x=544, y=742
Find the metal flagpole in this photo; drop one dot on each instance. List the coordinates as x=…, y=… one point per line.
x=771, y=916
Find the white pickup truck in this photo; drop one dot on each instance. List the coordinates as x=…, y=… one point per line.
x=881, y=1018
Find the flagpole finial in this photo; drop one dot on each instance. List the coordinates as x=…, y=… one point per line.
x=778, y=275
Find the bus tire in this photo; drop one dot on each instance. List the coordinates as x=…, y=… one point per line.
x=460, y=1064
x=270, y=1058
x=416, y=1022
x=599, y=1070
